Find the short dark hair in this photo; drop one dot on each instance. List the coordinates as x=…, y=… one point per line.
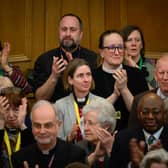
x=73, y=15
x=104, y=34
x=126, y=31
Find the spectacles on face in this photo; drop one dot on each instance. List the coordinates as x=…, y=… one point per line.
x=154, y=111
x=47, y=125
x=112, y=48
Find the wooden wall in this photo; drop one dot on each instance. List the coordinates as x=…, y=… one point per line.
x=31, y=25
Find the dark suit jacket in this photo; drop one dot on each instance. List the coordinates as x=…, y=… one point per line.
x=64, y=152
x=120, y=156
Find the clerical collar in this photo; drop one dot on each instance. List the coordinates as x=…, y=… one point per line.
x=111, y=70
x=12, y=130
x=159, y=93
x=48, y=151
x=81, y=101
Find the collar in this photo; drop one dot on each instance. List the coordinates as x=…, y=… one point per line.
x=156, y=134
x=159, y=93
x=12, y=130
x=111, y=70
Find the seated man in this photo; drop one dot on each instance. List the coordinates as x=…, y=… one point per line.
x=13, y=73
x=153, y=131
x=48, y=151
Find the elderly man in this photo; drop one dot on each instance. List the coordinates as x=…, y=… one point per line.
x=50, y=65
x=161, y=77
x=48, y=151
x=153, y=131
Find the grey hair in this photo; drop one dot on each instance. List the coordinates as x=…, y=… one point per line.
x=41, y=103
x=105, y=112
x=154, y=156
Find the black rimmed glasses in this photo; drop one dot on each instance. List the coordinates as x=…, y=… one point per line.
x=113, y=48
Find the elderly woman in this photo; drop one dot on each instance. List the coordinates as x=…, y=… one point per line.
x=13, y=132
x=155, y=159
x=78, y=79
x=99, y=121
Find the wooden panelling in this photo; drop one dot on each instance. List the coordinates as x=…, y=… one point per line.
x=31, y=26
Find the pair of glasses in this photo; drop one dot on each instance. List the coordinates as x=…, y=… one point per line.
x=112, y=48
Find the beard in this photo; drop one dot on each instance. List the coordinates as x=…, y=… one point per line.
x=43, y=141
x=68, y=45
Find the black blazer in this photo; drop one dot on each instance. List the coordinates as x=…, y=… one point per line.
x=64, y=153
x=120, y=155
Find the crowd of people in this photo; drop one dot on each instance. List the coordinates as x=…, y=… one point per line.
x=97, y=110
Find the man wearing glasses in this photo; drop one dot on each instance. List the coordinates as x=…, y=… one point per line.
x=113, y=80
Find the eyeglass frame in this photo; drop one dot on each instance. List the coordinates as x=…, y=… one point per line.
x=113, y=48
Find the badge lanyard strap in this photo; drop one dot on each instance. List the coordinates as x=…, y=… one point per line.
x=77, y=111
x=7, y=142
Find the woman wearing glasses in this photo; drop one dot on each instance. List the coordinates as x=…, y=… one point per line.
x=135, y=52
x=112, y=74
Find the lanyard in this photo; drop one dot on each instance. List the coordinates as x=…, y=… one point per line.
x=140, y=63
x=77, y=111
x=7, y=142
x=51, y=161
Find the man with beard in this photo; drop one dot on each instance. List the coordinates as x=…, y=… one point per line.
x=48, y=151
x=50, y=65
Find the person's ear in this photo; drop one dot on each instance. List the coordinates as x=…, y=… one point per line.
x=70, y=80
x=59, y=123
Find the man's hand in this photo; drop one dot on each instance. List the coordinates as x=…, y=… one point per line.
x=58, y=66
x=137, y=152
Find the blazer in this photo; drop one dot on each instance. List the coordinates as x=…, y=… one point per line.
x=63, y=154
x=66, y=112
x=120, y=155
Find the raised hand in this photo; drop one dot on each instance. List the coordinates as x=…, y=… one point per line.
x=137, y=152
x=106, y=139
x=22, y=113
x=4, y=57
x=58, y=66
x=73, y=133
x=120, y=76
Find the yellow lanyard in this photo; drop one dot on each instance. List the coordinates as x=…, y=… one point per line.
x=77, y=111
x=7, y=142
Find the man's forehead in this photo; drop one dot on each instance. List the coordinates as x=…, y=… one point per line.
x=69, y=21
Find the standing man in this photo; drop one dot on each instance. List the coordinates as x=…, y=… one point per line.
x=48, y=151
x=49, y=66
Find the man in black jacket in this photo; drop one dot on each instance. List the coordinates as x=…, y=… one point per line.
x=48, y=151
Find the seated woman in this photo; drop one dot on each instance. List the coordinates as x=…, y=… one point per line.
x=99, y=121
x=12, y=72
x=13, y=131
x=78, y=79
x=135, y=52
